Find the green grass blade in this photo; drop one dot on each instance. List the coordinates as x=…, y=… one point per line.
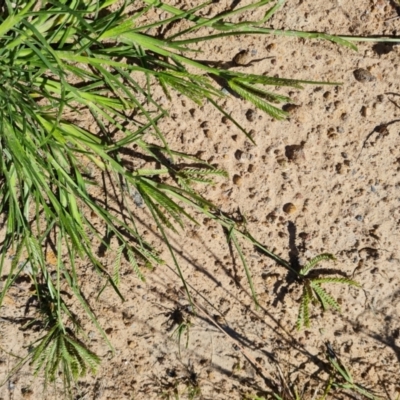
x=326, y=298
x=313, y=263
x=233, y=239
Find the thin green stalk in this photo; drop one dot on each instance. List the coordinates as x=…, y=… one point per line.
x=250, y=30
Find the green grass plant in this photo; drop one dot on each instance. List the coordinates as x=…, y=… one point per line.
x=340, y=381
x=61, y=61
x=341, y=378
x=313, y=292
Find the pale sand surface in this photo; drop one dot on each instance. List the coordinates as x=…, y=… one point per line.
x=345, y=185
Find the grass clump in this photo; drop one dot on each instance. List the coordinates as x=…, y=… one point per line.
x=341, y=378
x=313, y=292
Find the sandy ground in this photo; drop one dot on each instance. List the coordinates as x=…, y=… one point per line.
x=337, y=160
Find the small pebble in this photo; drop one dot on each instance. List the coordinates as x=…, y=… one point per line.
x=327, y=95
x=271, y=47
x=365, y=111
x=250, y=115
x=238, y=154
x=242, y=58
x=295, y=152
x=137, y=198
x=237, y=180
x=290, y=108
x=359, y=218
x=225, y=91
x=289, y=208
x=363, y=75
